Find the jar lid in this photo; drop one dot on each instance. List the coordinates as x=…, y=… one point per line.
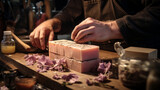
x=7, y=32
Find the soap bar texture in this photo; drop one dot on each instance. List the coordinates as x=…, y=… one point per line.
x=73, y=50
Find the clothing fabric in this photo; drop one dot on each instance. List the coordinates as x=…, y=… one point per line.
x=138, y=20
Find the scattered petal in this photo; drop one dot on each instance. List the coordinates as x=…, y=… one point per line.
x=70, y=78
x=101, y=78
x=61, y=65
x=89, y=82
x=103, y=67
x=30, y=59
x=44, y=63
x=57, y=77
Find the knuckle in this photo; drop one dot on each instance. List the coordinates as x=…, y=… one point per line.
x=36, y=38
x=93, y=27
x=91, y=21
x=81, y=32
x=41, y=38
x=31, y=35
x=89, y=18
x=76, y=27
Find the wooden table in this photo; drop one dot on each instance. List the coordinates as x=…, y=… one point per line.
x=17, y=61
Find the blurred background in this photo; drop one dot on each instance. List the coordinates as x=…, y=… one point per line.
x=22, y=16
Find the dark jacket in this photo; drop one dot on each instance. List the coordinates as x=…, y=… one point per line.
x=139, y=20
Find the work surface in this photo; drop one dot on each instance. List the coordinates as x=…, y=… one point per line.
x=17, y=61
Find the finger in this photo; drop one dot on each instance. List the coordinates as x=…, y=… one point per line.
x=86, y=39
x=31, y=36
x=84, y=33
x=51, y=36
x=36, y=39
x=42, y=39
x=84, y=24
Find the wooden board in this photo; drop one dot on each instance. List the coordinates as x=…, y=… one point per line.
x=17, y=60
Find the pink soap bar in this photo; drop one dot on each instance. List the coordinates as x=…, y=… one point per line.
x=79, y=66
x=53, y=56
x=73, y=50
x=52, y=47
x=83, y=67
x=85, y=52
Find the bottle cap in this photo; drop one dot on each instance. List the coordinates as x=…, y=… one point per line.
x=7, y=32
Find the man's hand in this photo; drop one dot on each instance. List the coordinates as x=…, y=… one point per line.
x=44, y=31
x=94, y=30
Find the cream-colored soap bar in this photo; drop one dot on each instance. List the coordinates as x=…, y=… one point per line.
x=141, y=53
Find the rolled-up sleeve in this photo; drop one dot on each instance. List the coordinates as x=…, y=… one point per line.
x=143, y=28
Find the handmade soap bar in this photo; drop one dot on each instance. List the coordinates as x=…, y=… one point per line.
x=141, y=53
x=79, y=66
x=59, y=46
x=73, y=50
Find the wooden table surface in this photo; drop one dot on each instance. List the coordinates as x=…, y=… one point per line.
x=17, y=61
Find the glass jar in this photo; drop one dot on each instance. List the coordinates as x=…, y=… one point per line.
x=153, y=81
x=7, y=44
x=133, y=73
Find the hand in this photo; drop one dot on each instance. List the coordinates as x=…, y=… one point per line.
x=94, y=30
x=43, y=32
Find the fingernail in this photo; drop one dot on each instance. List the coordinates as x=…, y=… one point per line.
x=75, y=40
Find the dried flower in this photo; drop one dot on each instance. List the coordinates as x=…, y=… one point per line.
x=101, y=78
x=70, y=78
x=103, y=67
x=89, y=82
x=57, y=77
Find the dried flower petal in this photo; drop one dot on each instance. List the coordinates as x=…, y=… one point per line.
x=70, y=78
x=89, y=82
x=30, y=59
x=60, y=65
x=44, y=63
x=57, y=77
x=103, y=67
x=101, y=78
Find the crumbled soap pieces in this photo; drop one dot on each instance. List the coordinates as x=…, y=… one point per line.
x=80, y=57
x=73, y=50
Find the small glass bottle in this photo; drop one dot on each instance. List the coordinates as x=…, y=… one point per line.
x=7, y=44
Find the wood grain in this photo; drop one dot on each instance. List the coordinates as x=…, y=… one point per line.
x=46, y=78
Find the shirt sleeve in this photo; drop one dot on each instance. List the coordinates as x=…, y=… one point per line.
x=143, y=28
x=70, y=16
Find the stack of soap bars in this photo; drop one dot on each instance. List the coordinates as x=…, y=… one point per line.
x=80, y=57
